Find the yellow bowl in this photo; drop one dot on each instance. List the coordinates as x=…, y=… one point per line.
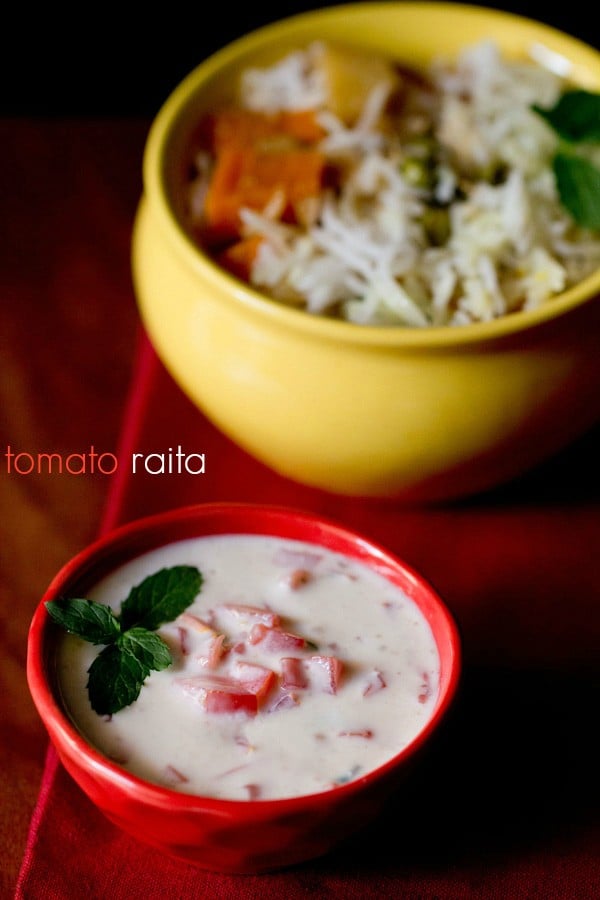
x=419, y=414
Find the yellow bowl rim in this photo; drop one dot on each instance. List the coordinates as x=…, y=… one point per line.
x=339, y=330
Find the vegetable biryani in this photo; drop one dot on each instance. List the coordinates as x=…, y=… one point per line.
x=345, y=185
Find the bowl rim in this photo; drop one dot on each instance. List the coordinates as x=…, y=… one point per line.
x=264, y=518
x=155, y=188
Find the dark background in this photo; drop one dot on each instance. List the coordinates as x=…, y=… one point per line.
x=124, y=60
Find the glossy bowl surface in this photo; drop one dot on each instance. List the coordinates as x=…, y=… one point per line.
x=228, y=835
x=420, y=414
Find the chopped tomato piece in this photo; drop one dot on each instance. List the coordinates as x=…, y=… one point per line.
x=254, y=678
x=325, y=672
x=248, y=684
x=282, y=699
x=254, y=791
x=213, y=643
x=250, y=615
x=425, y=691
x=293, y=674
x=230, y=699
x=187, y=620
x=274, y=639
x=214, y=651
x=374, y=682
x=321, y=672
x=220, y=695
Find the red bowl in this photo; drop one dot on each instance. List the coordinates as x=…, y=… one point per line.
x=229, y=835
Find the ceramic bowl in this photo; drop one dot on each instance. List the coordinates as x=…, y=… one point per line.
x=421, y=414
x=229, y=835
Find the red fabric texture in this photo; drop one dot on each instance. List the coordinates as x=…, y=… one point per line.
x=505, y=803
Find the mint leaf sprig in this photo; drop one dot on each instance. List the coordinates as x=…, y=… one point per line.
x=132, y=648
x=576, y=120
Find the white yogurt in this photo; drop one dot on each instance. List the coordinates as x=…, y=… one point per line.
x=362, y=687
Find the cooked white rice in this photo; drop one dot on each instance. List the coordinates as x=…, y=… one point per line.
x=367, y=254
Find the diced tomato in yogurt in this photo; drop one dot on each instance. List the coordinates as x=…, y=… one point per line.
x=243, y=688
x=230, y=699
x=215, y=649
x=323, y=673
x=253, y=791
x=187, y=620
x=274, y=639
x=373, y=683
x=220, y=694
x=256, y=679
x=292, y=673
x=425, y=692
x=283, y=698
x=197, y=637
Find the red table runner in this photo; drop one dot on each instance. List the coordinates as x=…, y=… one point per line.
x=505, y=803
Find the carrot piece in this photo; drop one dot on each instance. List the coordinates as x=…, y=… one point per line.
x=239, y=257
x=245, y=128
x=299, y=173
x=251, y=179
x=301, y=124
x=221, y=204
x=237, y=128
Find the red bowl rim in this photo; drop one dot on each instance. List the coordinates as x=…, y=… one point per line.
x=129, y=540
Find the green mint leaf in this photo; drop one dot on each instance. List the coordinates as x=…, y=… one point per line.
x=575, y=116
x=578, y=183
x=118, y=673
x=89, y=620
x=161, y=597
x=132, y=650
x=148, y=648
x=115, y=679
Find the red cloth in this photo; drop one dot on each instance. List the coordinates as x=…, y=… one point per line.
x=505, y=803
